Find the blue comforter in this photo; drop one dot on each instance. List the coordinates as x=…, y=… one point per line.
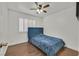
x=49, y=45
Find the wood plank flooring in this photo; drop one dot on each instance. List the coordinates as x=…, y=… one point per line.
x=67, y=52
x=27, y=49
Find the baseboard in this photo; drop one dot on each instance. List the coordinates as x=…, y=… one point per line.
x=72, y=48
x=16, y=43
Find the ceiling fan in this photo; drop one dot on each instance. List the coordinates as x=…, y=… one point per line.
x=40, y=8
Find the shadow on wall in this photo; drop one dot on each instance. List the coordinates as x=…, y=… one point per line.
x=77, y=10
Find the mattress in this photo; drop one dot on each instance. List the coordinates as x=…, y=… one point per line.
x=49, y=45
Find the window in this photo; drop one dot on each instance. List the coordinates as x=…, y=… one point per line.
x=25, y=23
x=21, y=24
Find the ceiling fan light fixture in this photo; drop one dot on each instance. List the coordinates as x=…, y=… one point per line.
x=41, y=10
x=38, y=10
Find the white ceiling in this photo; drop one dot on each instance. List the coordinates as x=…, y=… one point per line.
x=54, y=7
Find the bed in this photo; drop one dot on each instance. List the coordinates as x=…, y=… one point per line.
x=49, y=45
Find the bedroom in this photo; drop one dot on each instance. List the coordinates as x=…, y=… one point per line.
x=60, y=21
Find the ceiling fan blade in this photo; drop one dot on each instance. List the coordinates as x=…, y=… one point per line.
x=40, y=6
x=44, y=11
x=36, y=3
x=46, y=6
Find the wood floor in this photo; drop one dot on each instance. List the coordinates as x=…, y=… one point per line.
x=27, y=49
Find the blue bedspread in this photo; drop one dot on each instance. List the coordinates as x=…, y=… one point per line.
x=49, y=45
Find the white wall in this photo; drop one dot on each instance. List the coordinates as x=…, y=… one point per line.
x=9, y=24
x=3, y=22
x=78, y=35
x=63, y=25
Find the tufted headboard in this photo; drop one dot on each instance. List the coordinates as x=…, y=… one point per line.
x=33, y=31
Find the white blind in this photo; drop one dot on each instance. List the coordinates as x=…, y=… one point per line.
x=20, y=24
x=25, y=23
